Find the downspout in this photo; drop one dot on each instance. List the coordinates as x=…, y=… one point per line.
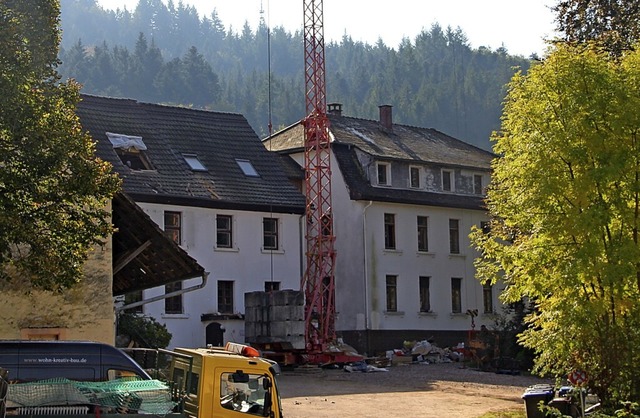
x=166, y=295
x=302, y=246
x=364, y=247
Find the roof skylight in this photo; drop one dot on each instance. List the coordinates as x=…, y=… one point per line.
x=247, y=168
x=194, y=162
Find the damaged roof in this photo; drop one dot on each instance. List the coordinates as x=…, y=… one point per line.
x=404, y=143
x=197, y=158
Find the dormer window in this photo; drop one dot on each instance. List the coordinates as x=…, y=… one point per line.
x=193, y=162
x=447, y=180
x=477, y=184
x=414, y=177
x=384, y=179
x=131, y=151
x=247, y=168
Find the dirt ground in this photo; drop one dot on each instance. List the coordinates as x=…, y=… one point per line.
x=448, y=390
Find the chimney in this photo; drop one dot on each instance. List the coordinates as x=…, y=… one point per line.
x=386, y=118
x=335, y=109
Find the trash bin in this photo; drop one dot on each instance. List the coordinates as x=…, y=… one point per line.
x=532, y=397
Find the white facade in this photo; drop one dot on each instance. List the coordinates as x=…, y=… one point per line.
x=363, y=264
x=246, y=264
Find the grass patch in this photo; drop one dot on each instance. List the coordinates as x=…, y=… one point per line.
x=515, y=413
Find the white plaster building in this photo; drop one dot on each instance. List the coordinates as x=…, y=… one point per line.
x=404, y=200
x=207, y=181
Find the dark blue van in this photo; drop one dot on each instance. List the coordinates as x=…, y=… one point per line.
x=28, y=361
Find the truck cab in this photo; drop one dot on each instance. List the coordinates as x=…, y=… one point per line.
x=232, y=381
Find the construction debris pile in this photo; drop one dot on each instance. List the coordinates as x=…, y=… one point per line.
x=412, y=352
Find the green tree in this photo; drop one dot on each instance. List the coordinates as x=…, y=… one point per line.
x=615, y=24
x=53, y=190
x=565, y=204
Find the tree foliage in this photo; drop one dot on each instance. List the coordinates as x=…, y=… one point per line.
x=435, y=80
x=565, y=203
x=142, y=331
x=615, y=24
x=53, y=190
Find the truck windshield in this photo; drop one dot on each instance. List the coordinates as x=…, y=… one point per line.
x=245, y=392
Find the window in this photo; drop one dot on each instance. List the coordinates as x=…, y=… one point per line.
x=173, y=304
x=456, y=295
x=244, y=393
x=173, y=226
x=271, y=286
x=224, y=236
x=423, y=239
x=454, y=236
x=447, y=184
x=193, y=162
x=425, y=297
x=133, y=297
x=270, y=233
x=487, y=298
x=131, y=150
x=225, y=296
x=477, y=184
x=389, y=231
x=134, y=159
x=383, y=174
x=247, y=168
x=392, y=293
x=414, y=177
x=326, y=223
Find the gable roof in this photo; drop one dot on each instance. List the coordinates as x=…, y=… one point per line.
x=405, y=143
x=217, y=139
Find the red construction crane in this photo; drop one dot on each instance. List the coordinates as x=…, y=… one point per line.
x=318, y=280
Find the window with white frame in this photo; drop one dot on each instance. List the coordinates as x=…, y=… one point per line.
x=447, y=180
x=423, y=233
x=454, y=236
x=487, y=298
x=389, y=231
x=414, y=177
x=225, y=296
x=384, y=177
x=270, y=233
x=456, y=295
x=224, y=231
x=392, y=293
x=425, y=296
x=477, y=184
x=173, y=226
x=173, y=305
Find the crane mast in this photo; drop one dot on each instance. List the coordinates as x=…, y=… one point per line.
x=318, y=281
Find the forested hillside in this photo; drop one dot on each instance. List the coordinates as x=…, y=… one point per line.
x=169, y=54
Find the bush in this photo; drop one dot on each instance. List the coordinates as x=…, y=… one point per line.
x=141, y=331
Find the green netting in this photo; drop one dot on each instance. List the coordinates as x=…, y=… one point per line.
x=116, y=396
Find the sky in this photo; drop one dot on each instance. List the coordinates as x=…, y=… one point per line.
x=519, y=25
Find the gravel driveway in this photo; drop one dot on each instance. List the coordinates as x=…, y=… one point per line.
x=412, y=390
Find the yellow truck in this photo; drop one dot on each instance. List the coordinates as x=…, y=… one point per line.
x=220, y=382
x=76, y=379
